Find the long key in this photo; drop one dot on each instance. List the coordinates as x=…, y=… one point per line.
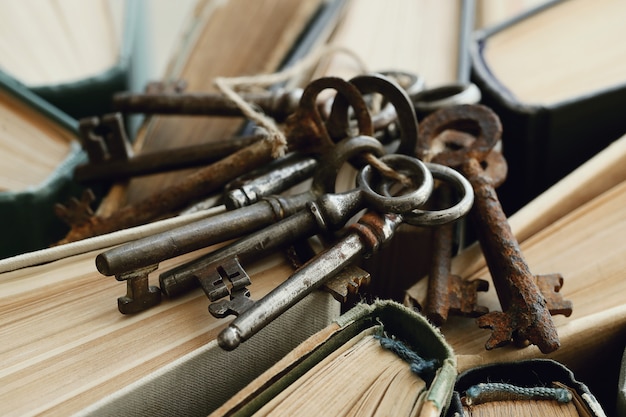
x=448, y=293
x=306, y=133
x=132, y=262
x=111, y=158
x=278, y=104
x=526, y=316
x=363, y=238
x=327, y=213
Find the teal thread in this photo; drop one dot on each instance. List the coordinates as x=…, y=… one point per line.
x=424, y=368
x=497, y=391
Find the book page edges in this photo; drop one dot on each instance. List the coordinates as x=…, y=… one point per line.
x=391, y=315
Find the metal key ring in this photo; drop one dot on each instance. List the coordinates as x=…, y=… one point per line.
x=429, y=100
x=420, y=217
x=411, y=83
x=413, y=168
x=338, y=121
x=331, y=162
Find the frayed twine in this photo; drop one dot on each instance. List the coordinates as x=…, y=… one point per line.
x=267, y=125
x=424, y=368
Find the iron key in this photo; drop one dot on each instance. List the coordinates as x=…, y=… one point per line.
x=526, y=316
x=363, y=238
x=326, y=213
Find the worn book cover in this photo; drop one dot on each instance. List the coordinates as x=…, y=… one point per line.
x=555, y=76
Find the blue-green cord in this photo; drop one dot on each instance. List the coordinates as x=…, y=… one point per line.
x=424, y=368
x=494, y=391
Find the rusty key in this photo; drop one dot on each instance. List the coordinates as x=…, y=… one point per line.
x=306, y=132
x=278, y=104
x=448, y=293
x=111, y=158
x=526, y=316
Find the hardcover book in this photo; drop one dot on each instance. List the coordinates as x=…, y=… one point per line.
x=555, y=76
x=79, y=52
x=40, y=150
x=376, y=359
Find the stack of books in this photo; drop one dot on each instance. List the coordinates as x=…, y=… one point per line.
x=552, y=72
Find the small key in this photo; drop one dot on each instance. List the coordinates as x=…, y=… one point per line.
x=363, y=238
x=327, y=213
x=306, y=133
x=526, y=316
x=111, y=157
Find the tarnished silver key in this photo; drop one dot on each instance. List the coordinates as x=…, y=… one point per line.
x=231, y=224
x=329, y=212
x=363, y=238
x=289, y=171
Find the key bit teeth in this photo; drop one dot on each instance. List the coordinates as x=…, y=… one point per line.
x=501, y=326
x=506, y=328
x=139, y=294
x=239, y=302
x=347, y=282
x=464, y=296
x=550, y=285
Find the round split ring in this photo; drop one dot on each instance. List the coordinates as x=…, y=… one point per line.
x=368, y=180
x=420, y=217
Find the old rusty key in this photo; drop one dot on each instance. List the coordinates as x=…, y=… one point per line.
x=526, y=316
x=448, y=293
x=278, y=104
x=111, y=158
x=305, y=132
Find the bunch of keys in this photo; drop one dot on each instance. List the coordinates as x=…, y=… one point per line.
x=319, y=210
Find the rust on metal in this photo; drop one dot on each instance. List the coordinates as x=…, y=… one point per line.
x=278, y=104
x=447, y=293
x=475, y=119
x=305, y=131
x=526, y=316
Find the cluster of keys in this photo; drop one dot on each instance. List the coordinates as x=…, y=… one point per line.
x=430, y=173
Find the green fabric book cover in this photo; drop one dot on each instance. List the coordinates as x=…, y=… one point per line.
x=26, y=209
x=79, y=53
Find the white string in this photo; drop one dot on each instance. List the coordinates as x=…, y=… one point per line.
x=267, y=126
